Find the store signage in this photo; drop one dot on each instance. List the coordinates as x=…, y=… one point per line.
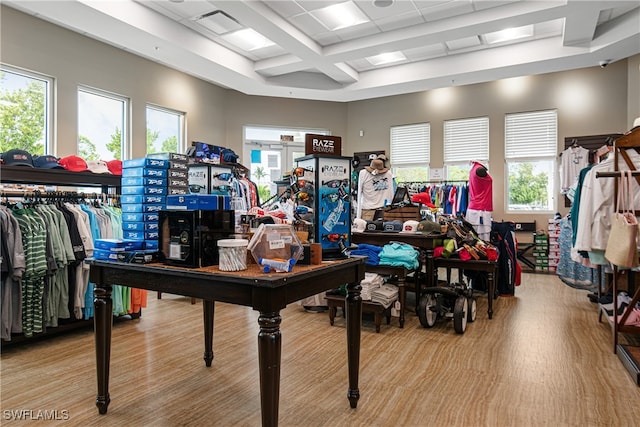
x=323, y=144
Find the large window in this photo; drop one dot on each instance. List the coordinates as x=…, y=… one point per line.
x=465, y=140
x=165, y=130
x=102, y=125
x=25, y=111
x=410, y=152
x=530, y=152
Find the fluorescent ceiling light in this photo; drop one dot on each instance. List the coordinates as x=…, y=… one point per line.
x=341, y=15
x=248, y=39
x=386, y=58
x=509, y=34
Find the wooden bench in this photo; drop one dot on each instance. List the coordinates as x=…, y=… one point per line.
x=337, y=301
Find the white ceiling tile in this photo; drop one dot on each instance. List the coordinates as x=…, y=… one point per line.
x=375, y=13
x=284, y=8
x=446, y=10
x=394, y=22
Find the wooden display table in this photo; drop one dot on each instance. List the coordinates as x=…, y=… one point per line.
x=267, y=293
x=490, y=267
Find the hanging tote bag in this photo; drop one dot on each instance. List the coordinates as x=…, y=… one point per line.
x=622, y=246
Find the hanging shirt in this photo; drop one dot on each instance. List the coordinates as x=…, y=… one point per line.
x=572, y=161
x=374, y=191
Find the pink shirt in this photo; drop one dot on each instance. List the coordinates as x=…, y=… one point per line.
x=480, y=190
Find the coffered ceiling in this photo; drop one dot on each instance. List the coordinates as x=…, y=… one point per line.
x=440, y=43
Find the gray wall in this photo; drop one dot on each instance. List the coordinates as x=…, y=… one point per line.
x=589, y=101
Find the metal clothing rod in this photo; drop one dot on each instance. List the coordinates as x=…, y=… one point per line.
x=617, y=174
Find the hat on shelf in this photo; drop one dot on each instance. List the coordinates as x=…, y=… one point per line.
x=115, y=166
x=17, y=157
x=429, y=227
x=98, y=166
x=73, y=163
x=410, y=226
x=377, y=167
x=46, y=161
x=359, y=225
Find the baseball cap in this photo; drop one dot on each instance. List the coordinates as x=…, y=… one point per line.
x=392, y=226
x=426, y=226
x=410, y=226
x=374, y=225
x=115, y=166
x=46, y=161
x=97, y=166
x=73, y=163
x=359, y=225
x=17, y=157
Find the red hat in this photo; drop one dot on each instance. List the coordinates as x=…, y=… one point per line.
x=73, y=163
x=115, y=166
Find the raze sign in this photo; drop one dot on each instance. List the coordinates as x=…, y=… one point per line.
x=323, y=144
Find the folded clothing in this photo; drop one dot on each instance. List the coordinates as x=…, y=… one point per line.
x=399, y=255
x=370, y=251
x=386, y=295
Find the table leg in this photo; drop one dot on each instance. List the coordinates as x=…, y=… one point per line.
x=103, y=322
x=402, y=294
x=208, y=312
x=269, y=356
x=491, y=279
x=353, y=315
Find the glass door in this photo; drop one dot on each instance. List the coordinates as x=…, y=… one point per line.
x=270, y=152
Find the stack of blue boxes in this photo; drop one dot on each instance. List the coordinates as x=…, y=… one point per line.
x=144, y=193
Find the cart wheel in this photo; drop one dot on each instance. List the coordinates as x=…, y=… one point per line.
x=427, y=310
x=460, y=315
x=471, y=309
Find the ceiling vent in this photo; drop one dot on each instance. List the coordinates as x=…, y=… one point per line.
x=218, y=21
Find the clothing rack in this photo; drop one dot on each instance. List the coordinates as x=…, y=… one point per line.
x=630, y=140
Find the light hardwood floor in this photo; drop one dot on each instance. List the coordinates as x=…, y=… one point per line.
x=544, y=360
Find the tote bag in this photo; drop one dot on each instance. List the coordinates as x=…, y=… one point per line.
x=622, y=246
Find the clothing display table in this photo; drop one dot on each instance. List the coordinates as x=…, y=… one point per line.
x=425, y=243
x=268, y=293
x=490, y=267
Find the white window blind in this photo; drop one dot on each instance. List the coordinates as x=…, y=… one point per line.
x=533, y=134
x=410, y=144
x=466, y=139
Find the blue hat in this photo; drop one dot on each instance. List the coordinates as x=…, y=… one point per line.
x=17, y=157
x=46, y=161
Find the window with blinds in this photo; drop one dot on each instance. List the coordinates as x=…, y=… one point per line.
x=410, y=152
x=465, y=140
x=531, y=146
x=529, y=135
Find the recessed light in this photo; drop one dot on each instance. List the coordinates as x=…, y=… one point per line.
x=509, y=34
x=248, y=39
x=386, y=58
x=341, y=15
